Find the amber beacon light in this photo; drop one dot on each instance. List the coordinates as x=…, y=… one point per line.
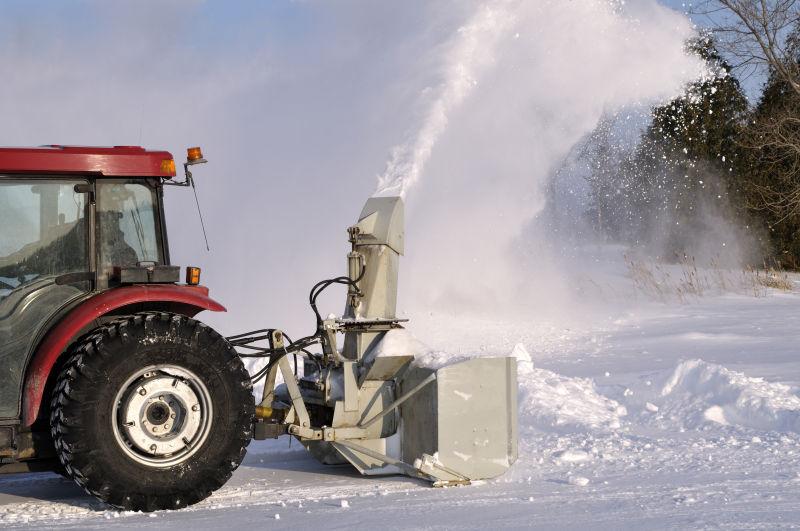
x=193, y=276
x=194, y=155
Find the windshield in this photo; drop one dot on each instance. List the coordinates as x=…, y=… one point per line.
x=43, y=231
x=128, y=233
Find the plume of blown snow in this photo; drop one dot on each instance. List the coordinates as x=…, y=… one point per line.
x=471, y=52
x=522, y=83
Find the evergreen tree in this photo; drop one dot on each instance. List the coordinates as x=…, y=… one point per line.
x=684, y=167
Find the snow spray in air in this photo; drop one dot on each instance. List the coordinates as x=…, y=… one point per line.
x=468, y=55
x=522, y=82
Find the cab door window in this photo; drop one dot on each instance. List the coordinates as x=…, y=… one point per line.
x=127, y=225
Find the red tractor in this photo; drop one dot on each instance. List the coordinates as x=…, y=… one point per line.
x=102, y=364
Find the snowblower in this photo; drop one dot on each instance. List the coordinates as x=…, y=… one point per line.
x=106, y=377
x=384, y=414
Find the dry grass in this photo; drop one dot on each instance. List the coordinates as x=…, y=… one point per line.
x=771, y=278
x=684, y=280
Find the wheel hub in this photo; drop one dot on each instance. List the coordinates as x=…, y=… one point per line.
x=162, y=415
x=158, y=413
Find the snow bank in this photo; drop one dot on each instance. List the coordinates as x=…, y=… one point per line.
x=695, y=394
x=699, y=393
x=552, y=402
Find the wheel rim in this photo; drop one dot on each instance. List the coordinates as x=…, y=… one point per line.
x=162, y=415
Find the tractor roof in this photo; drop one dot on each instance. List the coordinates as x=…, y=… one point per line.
x=117, y=161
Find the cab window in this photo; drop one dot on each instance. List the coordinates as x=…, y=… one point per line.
x=127, y=228
x=44, y=232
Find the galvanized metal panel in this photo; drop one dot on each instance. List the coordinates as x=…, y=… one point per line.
x=466, y=419
x=477, y=416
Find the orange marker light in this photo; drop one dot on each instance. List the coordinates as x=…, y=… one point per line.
x=192, y=276
x=168, y=166
x=193, y=154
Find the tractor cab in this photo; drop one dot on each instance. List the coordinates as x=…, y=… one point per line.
x=76, y=221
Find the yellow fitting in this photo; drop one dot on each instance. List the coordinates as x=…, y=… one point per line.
x=263, y=412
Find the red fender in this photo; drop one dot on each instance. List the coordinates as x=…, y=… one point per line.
x=57, y=339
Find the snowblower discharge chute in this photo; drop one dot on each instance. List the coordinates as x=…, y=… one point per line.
x=384, y=414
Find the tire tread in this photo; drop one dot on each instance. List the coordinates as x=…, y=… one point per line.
x=72, y=393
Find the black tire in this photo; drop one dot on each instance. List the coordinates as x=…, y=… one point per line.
x=82, y=411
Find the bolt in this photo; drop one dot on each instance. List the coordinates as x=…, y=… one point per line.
x=166, y=426
x=153, y=448
x=155, y=429
x=172, y=416
x=161, y=397
x=142, y=391
x=195, y=408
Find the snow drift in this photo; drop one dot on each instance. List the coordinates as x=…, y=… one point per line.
x=552, y=402
x=702, y=393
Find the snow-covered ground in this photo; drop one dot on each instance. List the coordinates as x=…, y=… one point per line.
x=659, y=415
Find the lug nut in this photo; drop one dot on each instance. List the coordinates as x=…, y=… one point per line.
x=142, y=391
x=172, y=416
x=153, y=448
x=195, y=408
